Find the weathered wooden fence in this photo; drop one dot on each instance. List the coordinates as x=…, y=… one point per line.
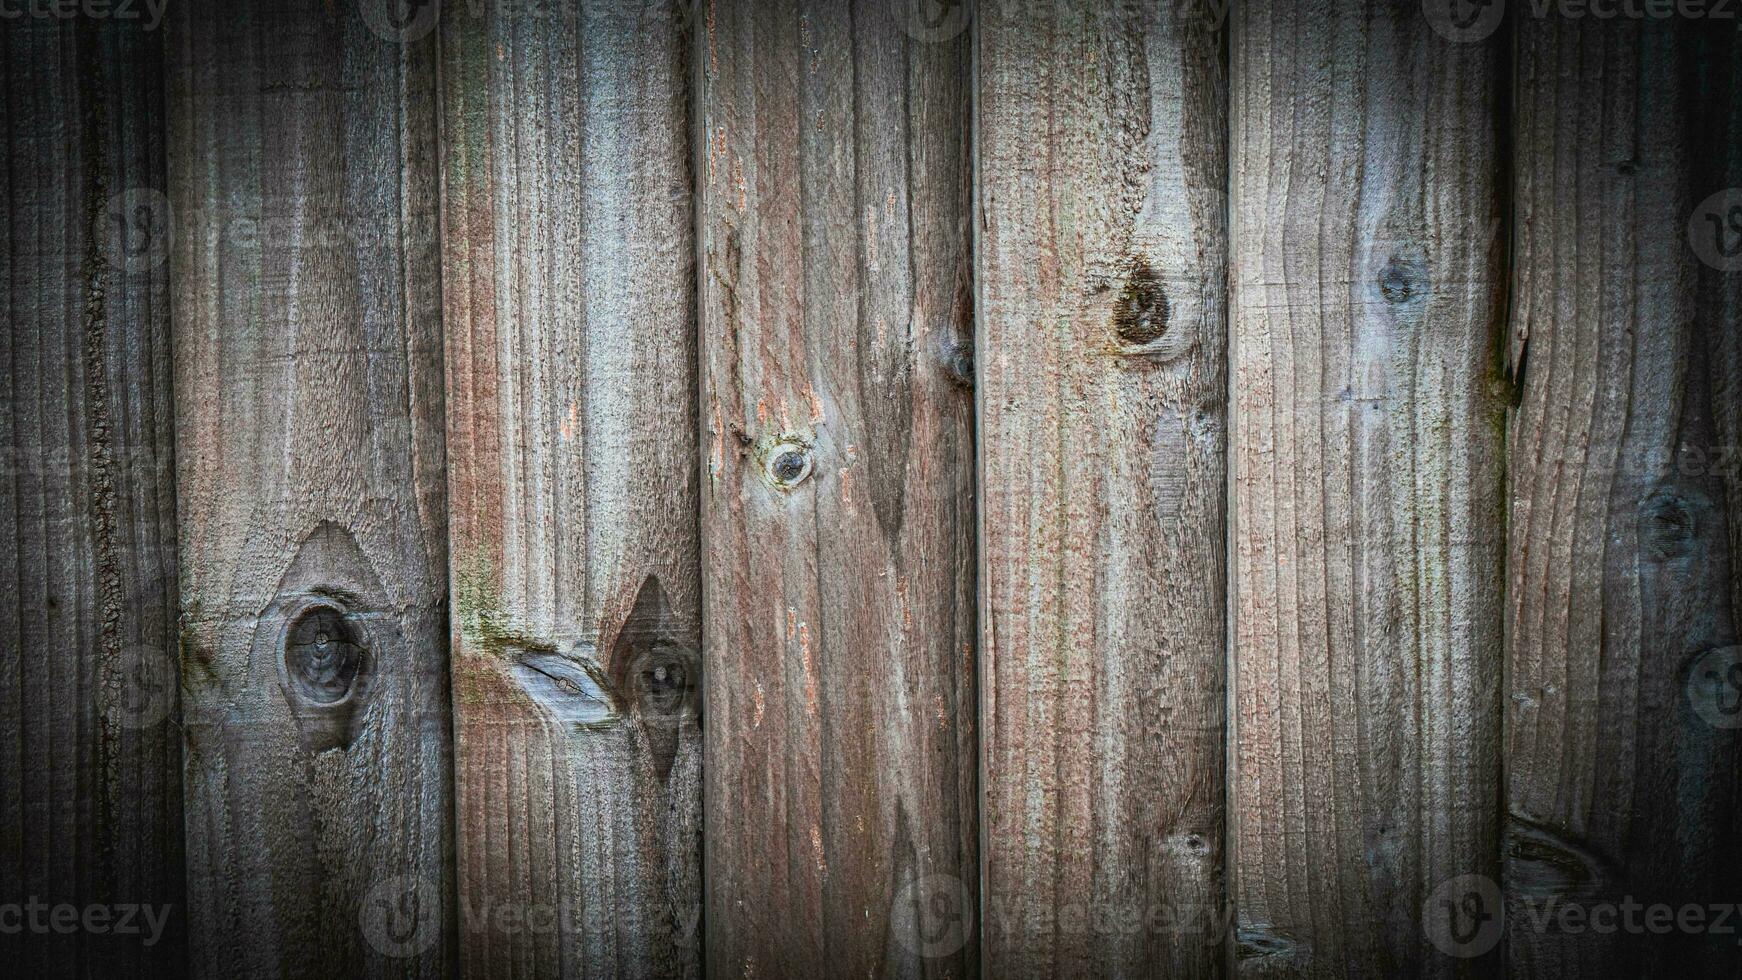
x=785, y=488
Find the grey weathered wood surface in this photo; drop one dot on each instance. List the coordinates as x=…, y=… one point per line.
x=312, y=514
x=90, y=809
x=1368, y=416
x=520, y=391
x=569, y=308
x=1102, y=251
x=1626, y=502
x=837, y=492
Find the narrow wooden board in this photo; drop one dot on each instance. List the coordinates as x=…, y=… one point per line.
x=837, y=492
x=1368, y=291
x=1102, y=260
x=1624, y=708
x=90, y=812
x=569, y=305
x=305, y=284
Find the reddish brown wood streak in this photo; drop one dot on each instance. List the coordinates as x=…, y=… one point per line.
x=571, y=388
x=837, y=495
x=1101, y=379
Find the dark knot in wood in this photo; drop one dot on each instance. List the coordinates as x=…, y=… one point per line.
x=322, y=656
x=1141, y=313
x=1402, y=280
x=788, y=464
x=1669, y=522
x=324, y=667
x=959, y=363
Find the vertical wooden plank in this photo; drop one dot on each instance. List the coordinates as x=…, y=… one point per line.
x=91, y=810
x=1368, y=489
x=311, y=488
x=1622, y=738
x=569, y=307
x=837, y=492
x=1102, y=258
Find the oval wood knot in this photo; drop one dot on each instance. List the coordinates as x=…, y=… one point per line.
x=325, y=664
x=1546, y=862
x=959, y=363
x=1141, y=314
x=1402, y=280
x=322, y=656
x=572, y=689
x=1669, y=521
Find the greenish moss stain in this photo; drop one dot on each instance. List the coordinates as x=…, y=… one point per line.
x=487, y=631
x=484, y=627
x=473, y=110
x=196, y=664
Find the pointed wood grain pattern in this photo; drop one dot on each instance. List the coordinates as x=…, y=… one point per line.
x=311, y=492
x=1624, y=709
x=90, y=809
x=1368, y=288
x=1102, y=256
x=837, y=492
x=568, y=292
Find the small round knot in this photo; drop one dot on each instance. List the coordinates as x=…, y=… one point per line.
x=789, y=463
x=1401, y=280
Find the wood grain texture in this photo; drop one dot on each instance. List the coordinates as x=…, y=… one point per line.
x=1368, y=486
x=837, y=492
x=305, y=282
x=570, y=320
x=1626, y=502
x=1102, y=258
x=90, y=809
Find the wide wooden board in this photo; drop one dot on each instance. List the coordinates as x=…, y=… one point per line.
x=1624, y=674
x=837, y=492
x=90, y=799
x=312, y=508
x=1102, y=260
x=569, y=305
x=1368, y=489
